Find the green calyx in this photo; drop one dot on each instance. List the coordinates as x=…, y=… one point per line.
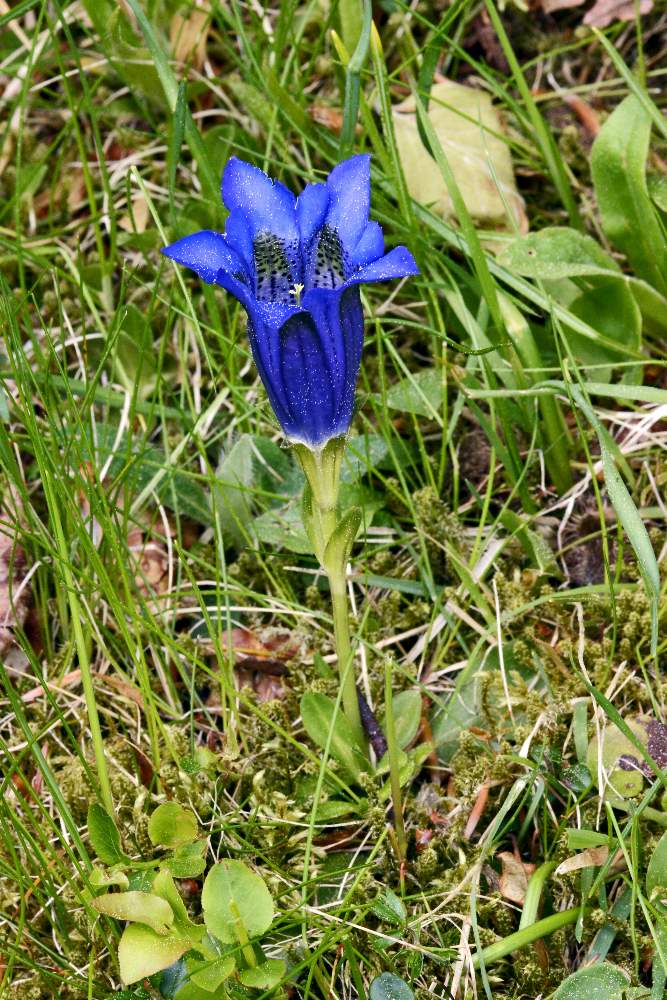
x=320, y=498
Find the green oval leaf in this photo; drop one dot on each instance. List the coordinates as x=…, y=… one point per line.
x=656, y=873
x=139, y=907
x=618, y=167
x=598, y=982
x=187, y=861
x=320, y=718
x=142, y=952
x=211, y=975
x=558, y=252
x=407, y=716
x=172, y=825
x=264, y=976
x=104, y=835
x=234, y=895
x=390, y=987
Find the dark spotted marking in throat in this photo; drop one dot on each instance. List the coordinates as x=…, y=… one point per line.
x=329, y=269
x=272, y=268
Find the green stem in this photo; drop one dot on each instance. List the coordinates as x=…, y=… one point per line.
x=322, y=470
x=394, y=767
x=344, y=652
x=242, y=935
x=534, y=893
x=525, y=936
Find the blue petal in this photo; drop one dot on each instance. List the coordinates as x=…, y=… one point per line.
x=369, y=247
x=398, y=263
x=267, y=206
x=311, y=208
x=331, y=365
x=239, y=237
x=349, y=186
x=207, y=253
x=265, y=320
x=308, y=380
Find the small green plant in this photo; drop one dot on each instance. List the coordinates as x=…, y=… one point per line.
x=161, y=943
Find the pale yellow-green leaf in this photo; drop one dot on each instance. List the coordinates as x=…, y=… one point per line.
x=142, y=952
x=471, y=136
x=140, y=907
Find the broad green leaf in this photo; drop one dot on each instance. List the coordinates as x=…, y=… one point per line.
x=362, y=452
x=212, y=974
x=620, y=783
x=172, y=825
x=339, y=546
x=610, y=307
x=234, y=895
x=420, y=394
x=558, y=252
x=390, y=908
x=283, y=528
x=326, y=726
x=102, y=878
x=597, y=982
x=334, y=809
x=604, y=301
x=142, y=952
x=233, y=491
x=139, y=907
x=657, y=189
x=165, y=887
x=104, y=835
x=264, y=976
x=656, y=873
x=134, y=356
x=407, y=716
x=187, y=861
x=390, y=987
x=618, y=167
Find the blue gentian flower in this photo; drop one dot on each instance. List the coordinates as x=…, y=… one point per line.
x=295, y=265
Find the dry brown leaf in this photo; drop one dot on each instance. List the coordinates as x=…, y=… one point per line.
x=514, y=877
x=268, y=651
x=188, y=34
x=470, y=133
x=136, y=220
x=592, y=857
x=151, y=562
x=605, y=12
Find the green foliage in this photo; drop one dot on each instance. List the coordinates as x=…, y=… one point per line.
x=328, y=727
x=599, y=982
x=171, y=825
x=387, y=986
x=104, y=835
x=235, y=896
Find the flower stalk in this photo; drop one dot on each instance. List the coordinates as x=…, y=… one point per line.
x=332, y=536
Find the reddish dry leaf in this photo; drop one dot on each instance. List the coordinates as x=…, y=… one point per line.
x=331, y=118
x=477, y=810
x=188, y=34
x=268, y=652
x=605, y=12
x=514, y=878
